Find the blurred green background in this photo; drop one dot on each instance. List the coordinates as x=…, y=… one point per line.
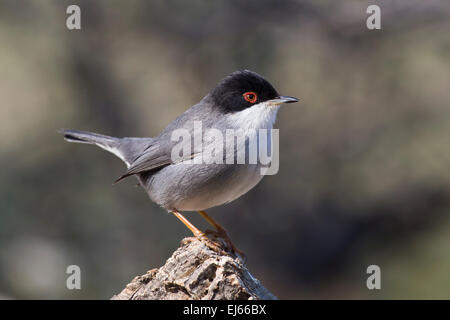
x=365, y=160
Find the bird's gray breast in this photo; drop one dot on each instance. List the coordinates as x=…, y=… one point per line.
x=190, y=187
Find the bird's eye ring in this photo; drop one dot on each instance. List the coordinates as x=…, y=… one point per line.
x=250, y=96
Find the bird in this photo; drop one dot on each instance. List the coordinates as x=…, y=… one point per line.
x=244, y=101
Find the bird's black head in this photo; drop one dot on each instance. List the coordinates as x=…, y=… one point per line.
x=241, y=90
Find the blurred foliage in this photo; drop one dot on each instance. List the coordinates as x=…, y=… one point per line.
x=364, y=175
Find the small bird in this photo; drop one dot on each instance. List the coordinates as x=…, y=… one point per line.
x=244, y=101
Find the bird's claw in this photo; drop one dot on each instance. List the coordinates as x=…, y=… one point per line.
x=223, y=235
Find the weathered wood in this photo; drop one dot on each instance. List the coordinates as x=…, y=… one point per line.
x=196, y=271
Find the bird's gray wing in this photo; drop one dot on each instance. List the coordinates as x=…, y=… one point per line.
x=152, y=158
x=159, y=154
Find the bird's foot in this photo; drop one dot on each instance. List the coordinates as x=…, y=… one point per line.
x=222, y=236
x=214, y=245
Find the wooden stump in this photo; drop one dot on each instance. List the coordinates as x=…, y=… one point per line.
x=195, y=271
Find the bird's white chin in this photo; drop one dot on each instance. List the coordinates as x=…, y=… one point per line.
x=259, y=116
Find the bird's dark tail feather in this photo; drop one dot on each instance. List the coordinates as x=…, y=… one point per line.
x=127, y=149
x=107, y=143
x=88, y=137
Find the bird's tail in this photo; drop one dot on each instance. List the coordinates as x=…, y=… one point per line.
x=88, y=137
x=107, y=143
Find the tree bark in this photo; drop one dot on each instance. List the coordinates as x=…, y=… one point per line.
x=197, y=271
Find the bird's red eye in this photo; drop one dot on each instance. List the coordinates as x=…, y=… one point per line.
x=250, y=97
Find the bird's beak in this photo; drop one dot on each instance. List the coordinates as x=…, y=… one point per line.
x=283, y=99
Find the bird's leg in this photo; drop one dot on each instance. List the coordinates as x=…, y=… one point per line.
x=197, y=233
x=221, y=231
